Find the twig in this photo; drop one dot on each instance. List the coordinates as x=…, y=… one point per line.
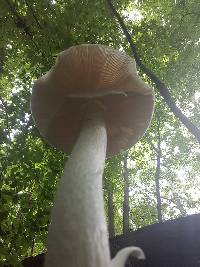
x=162, y=88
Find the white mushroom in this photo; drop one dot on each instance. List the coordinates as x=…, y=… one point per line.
x=93, y=103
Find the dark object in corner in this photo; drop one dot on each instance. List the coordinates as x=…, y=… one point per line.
x=173, y=243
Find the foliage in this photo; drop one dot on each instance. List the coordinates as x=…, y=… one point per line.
x=32, y=33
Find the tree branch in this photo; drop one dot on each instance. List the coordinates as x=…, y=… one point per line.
x=33, y=14
x=162, y=88
x=21, y=23
x=5, y=107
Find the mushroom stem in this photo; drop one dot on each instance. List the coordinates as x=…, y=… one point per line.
x=78, y=233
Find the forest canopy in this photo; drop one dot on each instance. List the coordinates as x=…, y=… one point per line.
x=157, y=179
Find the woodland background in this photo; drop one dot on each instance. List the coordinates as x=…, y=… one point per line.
x=156, y=180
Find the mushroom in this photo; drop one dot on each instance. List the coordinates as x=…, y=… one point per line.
x=91, y=104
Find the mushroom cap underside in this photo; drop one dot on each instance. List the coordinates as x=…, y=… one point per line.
x=91, y=70
x=126, y=118
x=92, y=74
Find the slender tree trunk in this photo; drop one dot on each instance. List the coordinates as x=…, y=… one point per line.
x=78, y=234
x=111, y=221
x=158, y=195
x=126, y=207
x=33, y=245
x=157, y=175
x=162, y=88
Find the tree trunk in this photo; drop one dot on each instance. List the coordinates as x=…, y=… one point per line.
x=162, y=88
x=111, y=221
x=78, y=233
x=158, y=196
x=157, y=175
x=126, y=197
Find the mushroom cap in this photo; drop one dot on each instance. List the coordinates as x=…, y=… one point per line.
x=87, y=74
